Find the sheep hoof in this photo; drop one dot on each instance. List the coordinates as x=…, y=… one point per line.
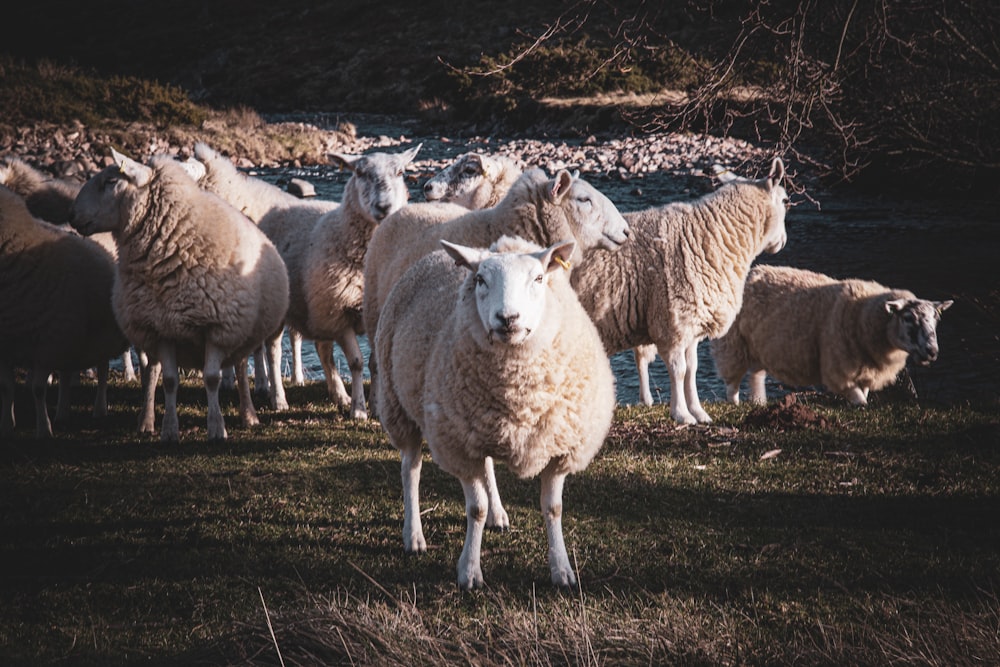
x=471, y=580
x=564, y=579
x=415, y=545
x=359, y=415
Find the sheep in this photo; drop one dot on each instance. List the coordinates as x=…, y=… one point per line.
x=489, y=354
x=681, y=278
x=805, y=328
x=473, y=180
x=51, y=200
x=55, y=310
x=198, y=285
x=279, y=214
x=325, y=267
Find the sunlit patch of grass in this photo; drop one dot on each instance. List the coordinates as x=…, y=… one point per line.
x=872, y=541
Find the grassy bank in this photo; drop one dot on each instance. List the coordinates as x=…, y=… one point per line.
x=871, y=537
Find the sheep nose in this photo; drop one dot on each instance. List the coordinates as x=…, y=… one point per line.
x=382, y=210
x=507, y=321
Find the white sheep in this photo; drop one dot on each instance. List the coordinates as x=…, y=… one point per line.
x=198, y=285
x=680, y=279
x=492, y=358
x=51, y=199
x=55, y=310
x=325, y=266
x=473, y=180
x=805, y=328
x=279, y=214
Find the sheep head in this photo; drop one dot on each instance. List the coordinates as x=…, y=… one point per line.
x=593, y=219
x=912, y=326
x=376, y=188
x=511, y=288
x=105, y=201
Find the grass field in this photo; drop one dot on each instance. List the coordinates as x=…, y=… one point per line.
x=871, y=538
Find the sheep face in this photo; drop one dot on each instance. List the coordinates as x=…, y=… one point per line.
x=458, y=182
x=511, y=288
x=775, y=235
x=593, y=218
x=105, y=201
x=913, y=327
x=377, y=181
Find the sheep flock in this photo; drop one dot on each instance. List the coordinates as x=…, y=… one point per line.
x=491, y=308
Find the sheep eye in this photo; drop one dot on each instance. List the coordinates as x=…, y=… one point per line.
x=470, y=170
x=480, y=281
x=787, y=202
x=539, y=278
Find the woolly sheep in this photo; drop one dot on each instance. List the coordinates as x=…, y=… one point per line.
x=198, y=285
x=55, y=310
x=279, y=214
x=326, y=265
x=51, y=200
x=473, y=180
x=805, y=328
x=680, y=279
x=492, y=358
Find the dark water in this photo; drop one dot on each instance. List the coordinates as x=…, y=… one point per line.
x=937, y=249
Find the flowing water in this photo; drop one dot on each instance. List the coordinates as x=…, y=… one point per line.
x=937, y=249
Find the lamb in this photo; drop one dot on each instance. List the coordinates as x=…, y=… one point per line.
x=279, y=214
x=473, y=180
x=325, y=266
x=198, y=285
x=681, y=278
x=492, y=357
x=55, y=310
x=804, y=328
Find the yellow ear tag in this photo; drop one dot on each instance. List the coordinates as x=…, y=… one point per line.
x=562, y=262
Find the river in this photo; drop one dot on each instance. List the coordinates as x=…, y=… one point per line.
x=936, y=248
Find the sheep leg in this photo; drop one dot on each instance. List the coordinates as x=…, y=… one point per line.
x=276, y=387
x=212, y=373
x=101, y=399
x=127, y=366
x=261, y=373
x=170, y=432
x=298, y=377
x=691, y=386
x=228, y=378
x=248, y=414
x=470, y=573
x=413, y=532
x=644, y=355
x=150, y=374
x=64, y=401
x=39, y=385
x=348, y=342
x=856, y=396
x=7, y=421
x=552, y=488
x=677, y=367
x=497, y=517
x=758, y=394
x=334, y=385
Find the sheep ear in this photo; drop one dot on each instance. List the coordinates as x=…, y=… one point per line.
x=941, y=306
x=138, y=174
x=557, y=256
x=407, y=156
x=561, y=185
x=894, y=306
x=343, y=160
x=777, y=172
x=484, y=166
x=465, y=256
x=723, y=174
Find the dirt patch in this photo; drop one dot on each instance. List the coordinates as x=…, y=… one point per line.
x=784, y=415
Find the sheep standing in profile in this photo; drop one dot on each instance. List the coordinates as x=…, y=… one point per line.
x=55, y=310
x=680, y=279
x=473, y=181
x=492, y=358
x=282, y=216
x=805, y=328
x=198, y=285
x=326, y=267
